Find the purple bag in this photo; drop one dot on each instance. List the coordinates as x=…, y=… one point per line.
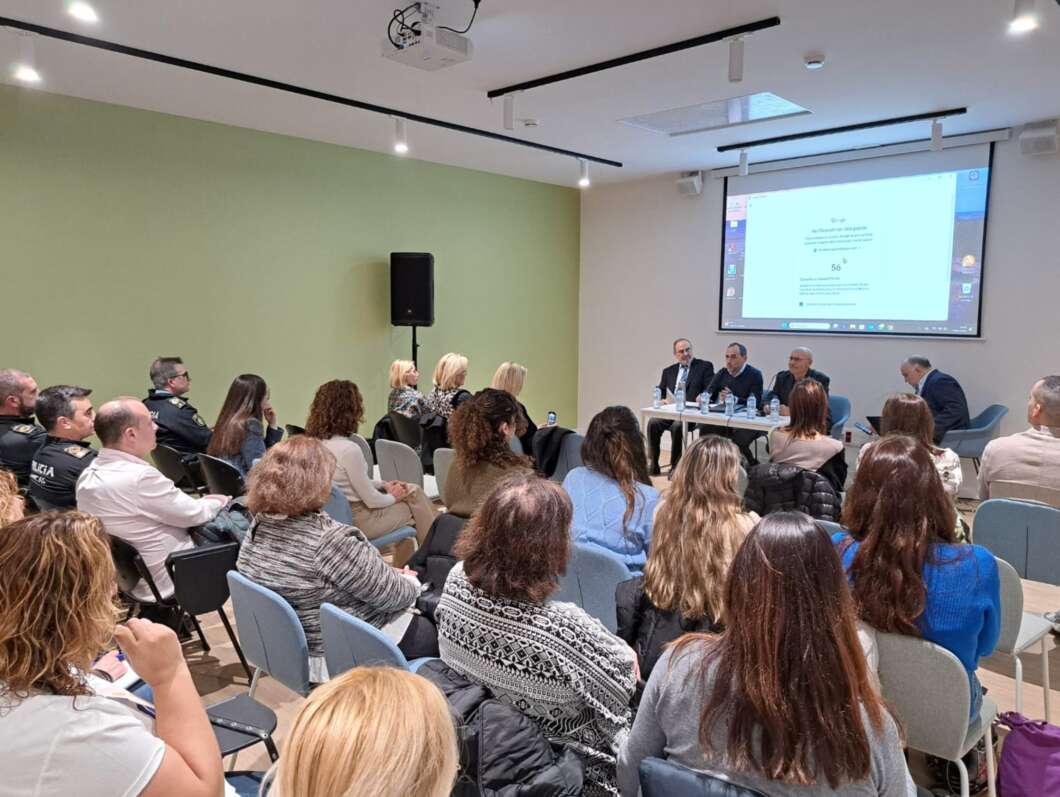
x=1030, y=758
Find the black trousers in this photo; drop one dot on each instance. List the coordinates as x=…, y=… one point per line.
x=656, y=428
x=743, y=439
x=420, y=639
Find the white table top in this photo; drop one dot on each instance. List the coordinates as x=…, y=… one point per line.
x=691, y=414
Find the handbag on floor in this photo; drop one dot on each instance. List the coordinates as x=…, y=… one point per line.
x=1030, y=757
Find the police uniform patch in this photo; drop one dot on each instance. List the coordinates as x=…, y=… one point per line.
x=23, y=428
x=199, y=420
x=176, y=402
x=76, y=451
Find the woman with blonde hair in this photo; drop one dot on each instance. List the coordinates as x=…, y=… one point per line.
x=12, y=505
x=64, y=730
x=699, y=526
x=510, y=377
x=372, y=730
x=448, y=393
x=404, y=397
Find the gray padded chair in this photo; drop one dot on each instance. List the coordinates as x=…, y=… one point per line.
x=839, y=409
x=1020, y=630
x=570, y=457
x=398, y=461
x=984, y=427
x=927, y=687
x=351, y=642
x=338, y=508
x=590, y=581
x=1024, y=534
x=369, y=458
x=443, y=458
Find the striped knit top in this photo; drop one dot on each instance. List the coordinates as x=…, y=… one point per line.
x=313, y=559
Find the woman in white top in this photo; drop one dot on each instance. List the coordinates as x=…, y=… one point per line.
x=378, y=507
x=59, y=733
x=805, y=442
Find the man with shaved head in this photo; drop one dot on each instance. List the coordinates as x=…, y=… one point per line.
x=800, y=363
x=1030, y=458
x=133, y=499
x=943, y=394
x=20, y=434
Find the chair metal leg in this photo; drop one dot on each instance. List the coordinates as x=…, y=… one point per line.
x=270, y=745
x=1045, y=675
x=1019, y=684
x=975, y=461
x=235, y=642
x=254, y=682
x=962, y=770
x=991, y=776
x=198, y=630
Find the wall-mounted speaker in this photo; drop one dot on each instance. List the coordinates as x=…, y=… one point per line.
x=690, y=184
x=1039, y=138
x=411, y=289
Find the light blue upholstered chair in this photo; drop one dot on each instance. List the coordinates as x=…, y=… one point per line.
x=839, y=408
x=351, y=642
x=590, y=581
x=1023, y=533
x=984, y=427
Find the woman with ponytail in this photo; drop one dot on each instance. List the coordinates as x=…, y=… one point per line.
x=480, y=431
x=612, y=494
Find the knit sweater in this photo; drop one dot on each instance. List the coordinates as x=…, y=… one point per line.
x=963, y=607
x=312, y=559
x=467, y=487
x=550, y=660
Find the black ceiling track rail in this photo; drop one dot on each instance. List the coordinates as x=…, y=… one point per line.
x=255, y=80
x=828, y=131
x=643, y=55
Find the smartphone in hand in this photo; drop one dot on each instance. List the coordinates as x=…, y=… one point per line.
x=551, y=417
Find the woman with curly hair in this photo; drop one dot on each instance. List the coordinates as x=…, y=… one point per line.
x=613, y=496
x=64, y=730
x=12, y=505
x=481, y=431
x=698, y=528
x=378, y=507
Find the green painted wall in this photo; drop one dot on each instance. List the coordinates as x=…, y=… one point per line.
x=128, y=234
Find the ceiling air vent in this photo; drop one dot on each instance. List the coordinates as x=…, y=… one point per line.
x=717, y=114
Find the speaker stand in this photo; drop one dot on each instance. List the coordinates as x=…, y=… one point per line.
x=415, y=348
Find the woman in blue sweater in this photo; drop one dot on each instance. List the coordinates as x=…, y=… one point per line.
x=614, y=501
x=908, y=572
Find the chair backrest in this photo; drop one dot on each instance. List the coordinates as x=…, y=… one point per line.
x=741, y=482
x=1024, y=534
x=830, y=526
x=1025, y=492
x=398, y=461
x=351, y=642
x=171, y=465
x=130, y=569
x=443, y=459
x=293, y=430
x=839, y=408
x=199, y=576
x=989, y=418
x=983, y=428
x=515, y=444
x=338, y=507
x=270, y=633
x=659, y=778
x=1011, y=607
x=369, y=458
x=221, y=477
x=570, y=456
x=928, y=689
x=407, y=430
x=590, y=581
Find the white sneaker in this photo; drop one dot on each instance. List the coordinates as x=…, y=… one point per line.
x=1054, y=618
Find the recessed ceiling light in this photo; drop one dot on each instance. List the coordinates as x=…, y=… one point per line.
x=82, y=11
x=813, y=61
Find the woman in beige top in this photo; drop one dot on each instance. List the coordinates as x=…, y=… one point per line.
x=805, y=442
x=378, y=507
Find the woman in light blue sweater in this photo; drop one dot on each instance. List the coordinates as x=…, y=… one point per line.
x=908, y=572
x=614, y=501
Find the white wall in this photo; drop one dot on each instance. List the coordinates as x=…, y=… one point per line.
x=649, y=274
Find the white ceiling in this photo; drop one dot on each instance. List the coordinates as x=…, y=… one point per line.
x=884, y=58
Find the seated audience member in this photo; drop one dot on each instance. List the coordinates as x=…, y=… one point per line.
x=404, y=397
x=741, y=381
x=374, y=731
x=782, y=702
x=497, y=626
x=378, y=507
x=179, y=424
x=238, y=436
x=20, y=434
x=133, y=499
x=805, y=441
x=481, y=431
x=799, y=367
x=1020, y=464
x=942, y=393
x=12, y=507
x=693, y=375
x=60, y=730
x=448, y=392
x=699, y=525
x=66, y=413
x=613, y=496
x=909, y=576
x=510, y=377
x=296, y=550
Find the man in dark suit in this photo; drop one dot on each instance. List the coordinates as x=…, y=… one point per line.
x=741, y=380
x=799, y=367
x=942, y=393
x=693, y=375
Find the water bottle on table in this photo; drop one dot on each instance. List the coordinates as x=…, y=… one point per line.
x=704, y=403
x=774, y=410
x=679, y=399
x=730, y=405
x=752, y=407
x=656, y=398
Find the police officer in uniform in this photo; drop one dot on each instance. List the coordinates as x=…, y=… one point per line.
x=179, y=424
x=20, y=435
x=67, y=415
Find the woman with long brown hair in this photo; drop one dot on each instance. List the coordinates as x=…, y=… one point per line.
x=805, y=441
x=480, y=431
x=699, y=525
x=613, y=496
x=908, y=572
x=784, y=699
x=239, y=437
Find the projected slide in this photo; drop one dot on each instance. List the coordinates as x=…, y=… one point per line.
x=901, y=255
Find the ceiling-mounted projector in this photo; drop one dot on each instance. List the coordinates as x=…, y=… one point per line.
x=432, y=48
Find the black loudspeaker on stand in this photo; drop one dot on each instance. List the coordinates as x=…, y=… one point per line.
x=412, y=292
